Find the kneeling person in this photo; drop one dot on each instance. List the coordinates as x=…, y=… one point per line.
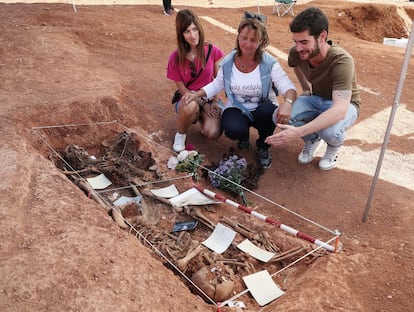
x=330, y=101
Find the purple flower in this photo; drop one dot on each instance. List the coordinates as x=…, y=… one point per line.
x=229, y=174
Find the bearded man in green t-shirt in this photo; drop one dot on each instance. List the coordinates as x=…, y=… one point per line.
x=330, y=101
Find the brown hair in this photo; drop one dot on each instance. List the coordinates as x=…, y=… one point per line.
x=184, y=19
x=312, y=19
x=261, y=36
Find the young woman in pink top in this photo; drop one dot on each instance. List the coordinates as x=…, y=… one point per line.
x=191, y=66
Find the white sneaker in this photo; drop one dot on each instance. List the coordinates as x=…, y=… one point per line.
x=329, y=160
x=309, y=150
x=169, y=12
x=179, y=142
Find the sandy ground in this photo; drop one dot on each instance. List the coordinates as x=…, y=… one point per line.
x=203, y=3
x=61, y=251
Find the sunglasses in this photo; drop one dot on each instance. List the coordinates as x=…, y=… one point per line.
x=193, y=70
x=259, y=17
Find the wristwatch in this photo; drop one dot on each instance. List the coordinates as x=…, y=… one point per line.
x=289, y=101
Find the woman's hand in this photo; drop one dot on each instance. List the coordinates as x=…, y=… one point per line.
x=212, y=110
x=282, y=113
x=193, y=96
x=189, y=97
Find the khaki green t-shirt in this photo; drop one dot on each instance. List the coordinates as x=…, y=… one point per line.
x=336, y=72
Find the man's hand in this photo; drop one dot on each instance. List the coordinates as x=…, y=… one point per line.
x=287, y=134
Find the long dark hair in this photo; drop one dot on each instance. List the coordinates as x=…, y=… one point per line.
x=261, y=36
x=184, y=19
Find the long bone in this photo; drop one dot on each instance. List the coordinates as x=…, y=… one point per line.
x=268, y=243
x=183, y=262
x=196, y=214
x=212, y=261
x=242, y=230
x=84, y=185
x=286, y=254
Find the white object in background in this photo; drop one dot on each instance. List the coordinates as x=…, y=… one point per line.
x=166, y=192
x=402, y=43
x=220, y=239
x=99, y=182
x=254, y=251
x=235, y=304
x=262, y=287
x=125, y=200
x=191, y=197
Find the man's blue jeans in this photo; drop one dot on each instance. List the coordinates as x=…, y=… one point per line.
x=307, y=108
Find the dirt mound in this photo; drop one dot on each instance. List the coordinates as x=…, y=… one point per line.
x=372, y=22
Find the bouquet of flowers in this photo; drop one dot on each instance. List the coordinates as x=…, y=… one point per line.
x=186, y=161
x=229, y=175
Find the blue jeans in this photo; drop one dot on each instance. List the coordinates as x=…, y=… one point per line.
x=307, y=108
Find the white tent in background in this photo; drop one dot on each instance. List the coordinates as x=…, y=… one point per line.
x=396, y=102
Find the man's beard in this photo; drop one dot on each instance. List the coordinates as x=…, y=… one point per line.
x=315, y=52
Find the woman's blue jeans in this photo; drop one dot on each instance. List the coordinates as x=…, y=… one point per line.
x=307, y=108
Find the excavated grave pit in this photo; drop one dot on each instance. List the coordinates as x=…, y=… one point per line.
x=136, y=164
